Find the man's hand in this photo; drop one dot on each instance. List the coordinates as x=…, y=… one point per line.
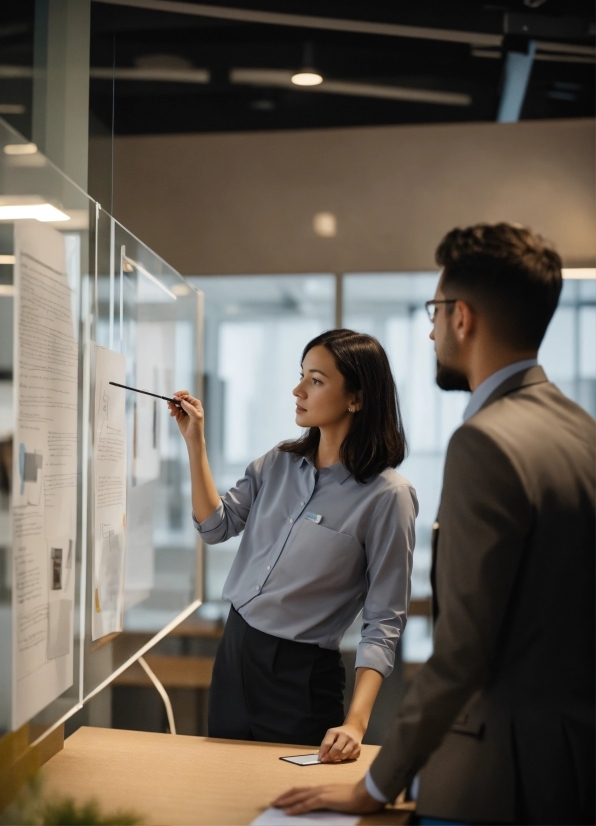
x=341, y=743
x=340, y=797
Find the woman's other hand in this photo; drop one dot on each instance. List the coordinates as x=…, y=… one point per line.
x=190, y=417
x=341, y=743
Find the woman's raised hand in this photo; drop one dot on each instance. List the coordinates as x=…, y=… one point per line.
x=191, y=418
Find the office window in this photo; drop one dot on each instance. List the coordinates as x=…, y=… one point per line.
x=255, y=330
x=391, y=307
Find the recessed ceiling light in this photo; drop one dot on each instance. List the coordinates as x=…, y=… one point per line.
x=7, y=259
x=325, y=224
x=20, y=149
x=307, y=78
x=38, y=212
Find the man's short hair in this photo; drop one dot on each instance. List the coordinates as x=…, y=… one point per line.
x=509, y=274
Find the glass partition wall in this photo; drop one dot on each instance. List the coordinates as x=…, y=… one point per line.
x=71, y=278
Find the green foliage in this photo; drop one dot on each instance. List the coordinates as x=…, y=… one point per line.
x=31, y=809
x=65, y=812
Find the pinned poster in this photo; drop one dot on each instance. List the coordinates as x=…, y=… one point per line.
x=44, y=499
x=109, y=491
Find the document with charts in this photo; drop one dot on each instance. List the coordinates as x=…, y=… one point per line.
x=44, y=496
x=109, y=492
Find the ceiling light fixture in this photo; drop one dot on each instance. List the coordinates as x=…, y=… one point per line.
x=20, y=149
x=37, y=212
x=307, y=76
x=7, y=259
x=325, y=224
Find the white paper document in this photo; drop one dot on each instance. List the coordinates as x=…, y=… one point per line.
x=109, y=490
x=140, y=552
x=44, y=500
x=276, y=817
x=154, y=359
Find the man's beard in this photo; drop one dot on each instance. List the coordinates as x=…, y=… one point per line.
x=451, y=379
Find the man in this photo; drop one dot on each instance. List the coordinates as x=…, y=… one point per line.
x=500, y=720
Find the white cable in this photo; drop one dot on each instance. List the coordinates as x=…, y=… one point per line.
x=162, y=692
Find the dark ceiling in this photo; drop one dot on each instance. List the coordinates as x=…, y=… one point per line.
x=125, y=37
x=155, y=71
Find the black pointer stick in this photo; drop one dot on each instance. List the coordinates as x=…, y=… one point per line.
x=147, y=393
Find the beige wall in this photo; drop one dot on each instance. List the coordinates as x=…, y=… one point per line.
x=243, y=203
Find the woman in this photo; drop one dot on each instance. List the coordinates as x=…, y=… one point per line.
x=328, y=531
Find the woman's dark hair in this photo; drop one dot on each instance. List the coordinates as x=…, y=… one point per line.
x=510, y=274
x=376, y=439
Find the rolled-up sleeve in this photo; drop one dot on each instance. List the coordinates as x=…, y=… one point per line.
x=389, y=546
x=230, y=516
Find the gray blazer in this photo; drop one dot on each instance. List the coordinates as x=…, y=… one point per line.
x=501, y=716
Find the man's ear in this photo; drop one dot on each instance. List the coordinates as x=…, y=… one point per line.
x=464, y=320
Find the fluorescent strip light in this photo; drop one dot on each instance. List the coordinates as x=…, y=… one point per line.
x=283, y=78
x=579, y=273
x=20, y=149
x=38, y=212
x=6, y=290
x=158, y=74
x=7, y=259
x=148, y=275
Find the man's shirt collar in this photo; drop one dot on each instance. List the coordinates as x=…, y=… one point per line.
x=489, y=385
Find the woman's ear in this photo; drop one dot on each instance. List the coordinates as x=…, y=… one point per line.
x=357, y=401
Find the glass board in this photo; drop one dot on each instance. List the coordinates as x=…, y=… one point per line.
x=95, y=531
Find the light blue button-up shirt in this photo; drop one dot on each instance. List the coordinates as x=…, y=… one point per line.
x=317, y=548
x=489, y=385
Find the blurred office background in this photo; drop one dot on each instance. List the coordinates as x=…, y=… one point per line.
x=300, y=208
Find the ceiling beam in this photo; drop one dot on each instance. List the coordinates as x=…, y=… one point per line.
x=516, y=76
x=283, y=79
x=312, y=22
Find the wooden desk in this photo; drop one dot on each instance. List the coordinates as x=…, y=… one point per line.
x=171, y=779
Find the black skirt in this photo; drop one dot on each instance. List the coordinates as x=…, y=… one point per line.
x=273, y=690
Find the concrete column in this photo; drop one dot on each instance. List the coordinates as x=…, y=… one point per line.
x=61, y=84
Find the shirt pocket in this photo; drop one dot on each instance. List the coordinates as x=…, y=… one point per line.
x=319, y=554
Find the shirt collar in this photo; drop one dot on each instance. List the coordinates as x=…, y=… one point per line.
x=339, y=471
x=489, y=385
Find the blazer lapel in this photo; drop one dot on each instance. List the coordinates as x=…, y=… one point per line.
x=525, y=378
x=533, y=375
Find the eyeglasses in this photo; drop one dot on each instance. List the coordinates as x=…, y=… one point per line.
x=431, y=307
